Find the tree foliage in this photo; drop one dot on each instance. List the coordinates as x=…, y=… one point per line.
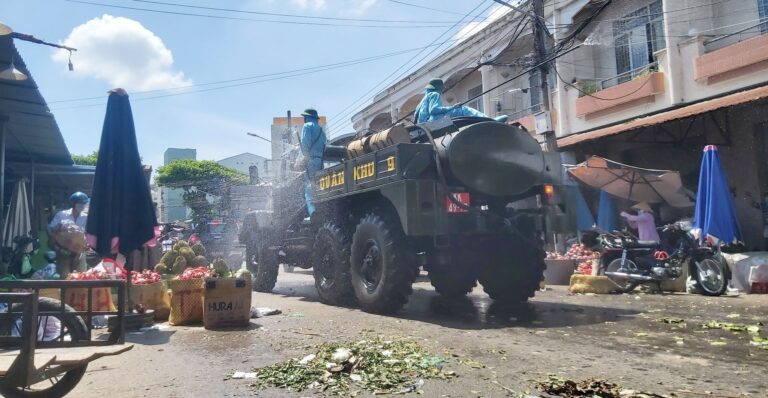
x=200, y=180
x=86, y=160
x=204, y=175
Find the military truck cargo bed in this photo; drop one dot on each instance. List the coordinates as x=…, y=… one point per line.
x=370, y=171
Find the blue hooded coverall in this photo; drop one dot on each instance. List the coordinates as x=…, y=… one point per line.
x=431, y=108
x=312, y=145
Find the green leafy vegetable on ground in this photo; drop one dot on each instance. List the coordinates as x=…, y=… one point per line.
x=346, y=368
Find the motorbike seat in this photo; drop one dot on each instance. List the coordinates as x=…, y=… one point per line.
x=643, y=244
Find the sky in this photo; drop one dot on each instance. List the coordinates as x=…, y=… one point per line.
x=193, y=79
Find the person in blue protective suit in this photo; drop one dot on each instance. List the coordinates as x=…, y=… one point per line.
x=431, y=106
x=312, y=146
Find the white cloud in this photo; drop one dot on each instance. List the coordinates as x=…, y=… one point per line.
x=124, y=53
x=474, y=27
x=359, y=7
x=316, y=4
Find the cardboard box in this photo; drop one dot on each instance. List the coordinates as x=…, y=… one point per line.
x=226, y=303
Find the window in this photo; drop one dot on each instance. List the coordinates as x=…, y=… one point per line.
x=762, y=9
x=637, y=36
x=478, y=102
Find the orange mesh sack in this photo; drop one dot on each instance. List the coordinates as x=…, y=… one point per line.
x=186, y=301
x=153, y=296
x=102, y=299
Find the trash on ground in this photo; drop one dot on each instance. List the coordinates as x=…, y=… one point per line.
x=243, y=375
x=589, y=388
x=671, y=321
x=732, y=327
x=345, y=368
x=264, y=311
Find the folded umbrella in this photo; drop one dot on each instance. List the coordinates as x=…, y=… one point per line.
x=715, y=214
x=121, y=215
x=17, y=220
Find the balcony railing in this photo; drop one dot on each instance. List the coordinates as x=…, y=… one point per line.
x=735, y=37
x=525, y=112
x=591, y=86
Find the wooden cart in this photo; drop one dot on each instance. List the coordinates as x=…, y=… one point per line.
x=46, y=345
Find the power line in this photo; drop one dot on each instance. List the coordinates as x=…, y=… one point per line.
x=252, y=19
x=340, y=64
x=517, y=31
x=315, y=70
x=287, y=15
x=424, y=7
x=342, y=113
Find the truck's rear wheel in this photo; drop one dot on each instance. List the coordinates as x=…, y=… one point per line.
x=331, y=266
x=455, y=279
x=514, y=270
x=382, y=274
x=263, y=265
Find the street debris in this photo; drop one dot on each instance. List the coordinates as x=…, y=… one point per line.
x=759, y=342
x=376, y=366
x=589, y=388
x=671, y=321
x=243, y=375
x=732, y=327
x=264, y=311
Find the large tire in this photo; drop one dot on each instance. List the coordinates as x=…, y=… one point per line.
x=264, y=266
x=457, y=278
x=330, y=265
x=382, y=271
x=55, y=388
x=514, y=270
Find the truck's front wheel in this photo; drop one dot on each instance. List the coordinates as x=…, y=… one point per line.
x=263, y=264
x=514, y=270
x=331, y=266
x=382, y=274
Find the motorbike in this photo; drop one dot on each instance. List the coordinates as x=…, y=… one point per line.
x=170, y=233
x=24, y=247
x=630, y=262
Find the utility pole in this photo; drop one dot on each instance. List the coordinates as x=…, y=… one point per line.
x=540, y=54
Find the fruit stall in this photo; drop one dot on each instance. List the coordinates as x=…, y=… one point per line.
x=578, y=259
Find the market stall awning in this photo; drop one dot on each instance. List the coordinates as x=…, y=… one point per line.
x=33, y=134
x=53, y=178
x=739, y=98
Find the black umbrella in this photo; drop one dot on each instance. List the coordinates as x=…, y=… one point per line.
x=121, y=213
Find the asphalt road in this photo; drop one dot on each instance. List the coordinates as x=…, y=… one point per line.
x=619, y=338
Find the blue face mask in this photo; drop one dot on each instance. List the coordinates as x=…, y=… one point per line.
x=80, y=207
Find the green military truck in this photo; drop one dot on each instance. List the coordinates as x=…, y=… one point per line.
x=468, y=200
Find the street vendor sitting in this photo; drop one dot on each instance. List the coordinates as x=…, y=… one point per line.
x=67, y=235
x=643, y=222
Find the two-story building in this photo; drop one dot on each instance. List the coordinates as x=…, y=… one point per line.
x=653, y=83
x=660, y=79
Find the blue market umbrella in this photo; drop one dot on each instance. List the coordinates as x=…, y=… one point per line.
x=584, y=219
x=715, y=214
x=606, y=213
x=121, y=214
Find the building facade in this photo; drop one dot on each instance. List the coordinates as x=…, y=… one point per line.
x=653, y=83
x=284, y=134
x=244, y=163
x=172, y=206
